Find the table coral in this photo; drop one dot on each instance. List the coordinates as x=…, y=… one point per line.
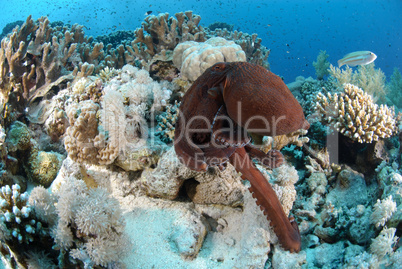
x=354, y=114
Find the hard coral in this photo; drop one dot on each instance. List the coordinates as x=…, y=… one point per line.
x=36, y=58
x=42, y=166
x=165, y=33
x=166, y=122
x=18, y=137
x=193, y=58
x=114, y=128
x=79, y=141
x=256, y=53
x=355, y=114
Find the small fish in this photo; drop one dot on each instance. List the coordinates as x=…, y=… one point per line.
x=357, y=58
x=148, y=12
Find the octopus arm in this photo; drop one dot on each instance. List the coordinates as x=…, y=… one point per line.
x=286, y=229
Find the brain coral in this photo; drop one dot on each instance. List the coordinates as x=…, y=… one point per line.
x=354, y=114
x=193, y=58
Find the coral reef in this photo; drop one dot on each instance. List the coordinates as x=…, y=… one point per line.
x=63, y=93
x=355, y=115
x=115, y=127
x=220, y=25
x=35, y=58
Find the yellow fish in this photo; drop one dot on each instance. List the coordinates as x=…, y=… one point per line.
x=357, y=58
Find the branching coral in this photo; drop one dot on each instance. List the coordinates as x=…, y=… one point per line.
x=16, y=222
x=165, y=33
x=36, y=58
x=166, y=122
x=354, y=114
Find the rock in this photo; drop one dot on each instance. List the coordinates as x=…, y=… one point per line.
x=350, y=190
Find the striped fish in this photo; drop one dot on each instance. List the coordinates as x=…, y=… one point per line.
x=357, y=58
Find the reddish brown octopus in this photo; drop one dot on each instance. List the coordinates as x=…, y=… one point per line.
x=217, y=112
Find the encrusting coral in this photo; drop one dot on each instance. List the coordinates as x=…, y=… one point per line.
x=354, y=114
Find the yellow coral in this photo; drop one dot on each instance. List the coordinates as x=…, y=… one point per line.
x=106, y=74
x=43, y=167
x=354, y=114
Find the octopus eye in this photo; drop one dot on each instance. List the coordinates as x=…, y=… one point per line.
x=218, y=67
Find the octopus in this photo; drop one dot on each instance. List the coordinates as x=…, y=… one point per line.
x=226, y=103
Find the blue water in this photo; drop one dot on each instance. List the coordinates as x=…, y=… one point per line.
x=294, y=30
